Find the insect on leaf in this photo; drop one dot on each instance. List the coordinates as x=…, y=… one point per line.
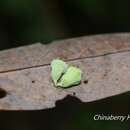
x=70, y=78
x=58, y=67
x=64, y=75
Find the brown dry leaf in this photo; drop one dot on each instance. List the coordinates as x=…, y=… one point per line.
x=25, y=71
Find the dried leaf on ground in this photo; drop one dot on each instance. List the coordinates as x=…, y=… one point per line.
x=25, y=71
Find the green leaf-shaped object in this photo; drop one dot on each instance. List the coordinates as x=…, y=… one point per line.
x=70, y=78
x=64, y=75
x=58, y=67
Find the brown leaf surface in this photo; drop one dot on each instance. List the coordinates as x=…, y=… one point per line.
x=25, y=71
